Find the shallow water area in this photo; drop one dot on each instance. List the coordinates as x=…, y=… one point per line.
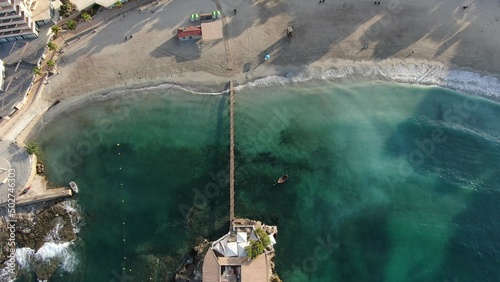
x=388, y=182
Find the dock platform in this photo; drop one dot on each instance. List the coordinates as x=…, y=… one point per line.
x=38, y=192
x=47, y=195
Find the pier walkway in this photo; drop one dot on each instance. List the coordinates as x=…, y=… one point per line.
x=39, y=192
x=231, y=153
x=50, y=194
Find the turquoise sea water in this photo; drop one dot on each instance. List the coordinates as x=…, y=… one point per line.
x=387, y=182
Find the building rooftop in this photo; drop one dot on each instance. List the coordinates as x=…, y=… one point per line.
x=41, y=10
x=226, y=259
x=211, y=30
x=19, y=58
x=189, y=31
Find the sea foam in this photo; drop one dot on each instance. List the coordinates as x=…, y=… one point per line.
x=421, y=74
x=74, y=211
x=63, y=252
x=24, y=257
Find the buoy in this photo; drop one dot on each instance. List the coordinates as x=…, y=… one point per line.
x=118, y=144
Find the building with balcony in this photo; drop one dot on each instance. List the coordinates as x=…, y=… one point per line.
x=20, y=19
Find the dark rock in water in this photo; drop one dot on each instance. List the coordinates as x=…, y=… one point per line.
x=32, y=233
x=44, y=270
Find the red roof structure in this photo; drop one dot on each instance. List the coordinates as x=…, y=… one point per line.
x=189, y=31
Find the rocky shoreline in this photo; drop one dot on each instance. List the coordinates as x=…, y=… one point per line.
x=36, y=225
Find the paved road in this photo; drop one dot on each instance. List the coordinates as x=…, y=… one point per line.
x=13, y=157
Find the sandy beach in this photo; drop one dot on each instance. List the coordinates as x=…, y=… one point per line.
x=401, y=40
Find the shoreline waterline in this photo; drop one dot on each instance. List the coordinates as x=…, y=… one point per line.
x=470, y=82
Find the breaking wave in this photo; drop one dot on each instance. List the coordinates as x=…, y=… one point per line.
x=24, y=257
x=422, y=74
x=75, y=214
x=52, y=251
x=27, y=258
x=62, y=252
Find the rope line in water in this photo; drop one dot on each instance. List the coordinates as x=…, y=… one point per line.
x=122, y=196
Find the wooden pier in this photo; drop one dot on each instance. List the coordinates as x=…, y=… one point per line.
x=231, y=153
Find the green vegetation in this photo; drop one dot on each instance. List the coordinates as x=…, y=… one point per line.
x=52, y=46
x=87, y=18
x=51, y=64
x=66, y=8
x=33, y=148
x=118, y=4
x=56, y=30
x=254, y=249
x=257, y=247
x=71, y=24
x=264, y=238
x=37, y=70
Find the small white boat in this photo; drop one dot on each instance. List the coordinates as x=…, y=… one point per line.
x=73, y=186
x=281, y=180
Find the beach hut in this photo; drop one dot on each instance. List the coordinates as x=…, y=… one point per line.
x=189, y=32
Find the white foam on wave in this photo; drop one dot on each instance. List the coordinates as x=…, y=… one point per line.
x=53, y=235
x=163, y=86
x=63, y=252
x=74, y=211
x=24, y=257
x=422, y=74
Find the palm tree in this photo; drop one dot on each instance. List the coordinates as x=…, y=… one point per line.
x=118, y=4
x=57, y=31
x=71, y=24
x=52, y=46
x=33, y=148
x=87, y=18
x=37, y=71
x=51, y=64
